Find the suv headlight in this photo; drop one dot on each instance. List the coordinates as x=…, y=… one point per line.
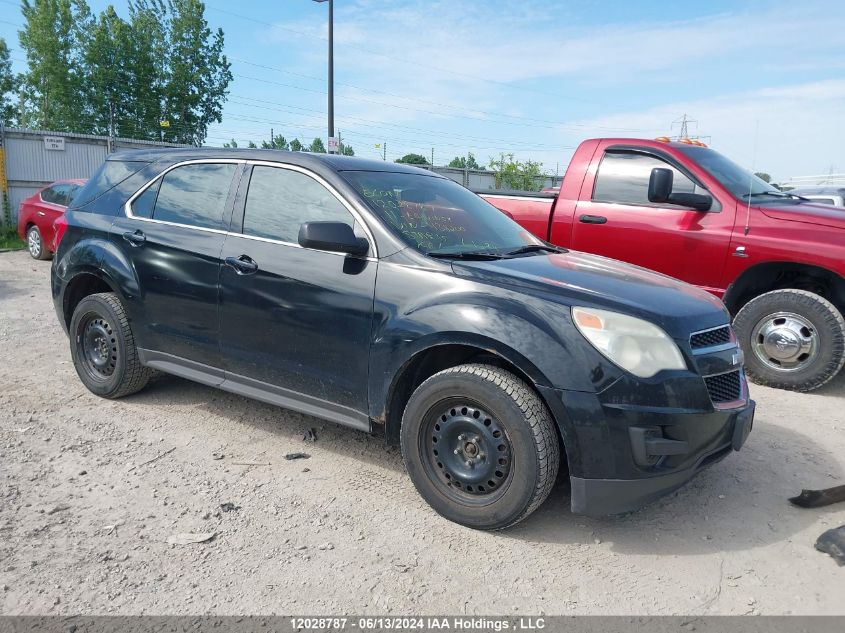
x=635, y=345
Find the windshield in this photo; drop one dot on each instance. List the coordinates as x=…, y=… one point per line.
x=740, y=182
x=436, y=215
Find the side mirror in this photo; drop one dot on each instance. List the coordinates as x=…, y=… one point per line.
x=697, y=201
x=660, y=191
x=660, y=185
x=337, y=237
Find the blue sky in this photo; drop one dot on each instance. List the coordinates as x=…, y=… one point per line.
x=764, y=79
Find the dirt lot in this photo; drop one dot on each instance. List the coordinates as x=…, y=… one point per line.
x=84, y=519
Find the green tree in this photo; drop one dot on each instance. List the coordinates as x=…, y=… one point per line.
x=8, y=86
x=296, y=145
x=198, y=73
x=413, y=159
x=277, y=142
x=513, y=174
x=148, y=47
x=52, y=89
x=345, y=150
x=231, y=144
x=317, y=146
x=109, y=76
x=465, y=162
x=763, y=176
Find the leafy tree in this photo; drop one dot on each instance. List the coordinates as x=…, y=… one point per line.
x=763, y=176
x=231, y=144
x=109, y=76
x=277, y=142
x=317, y=146
x=345, y=150
x=296, y=145
x=465, y=162
x=198, y=73
x=513, y=174
x=413, y=159
x=252, y=145
x=8, y=86
x=53, y=87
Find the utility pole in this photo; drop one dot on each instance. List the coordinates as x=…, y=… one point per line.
x=272, y=139
x=432, y=157
x=384, y=151
x=111, y=127
x=331, y=72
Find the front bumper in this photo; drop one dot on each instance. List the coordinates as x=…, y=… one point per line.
x=599, y=497
x=624, y=456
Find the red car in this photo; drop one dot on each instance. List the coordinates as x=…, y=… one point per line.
x=38, y=212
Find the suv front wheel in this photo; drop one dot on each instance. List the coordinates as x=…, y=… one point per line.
x=793, y=339
x=480, y=446
x=103, y=348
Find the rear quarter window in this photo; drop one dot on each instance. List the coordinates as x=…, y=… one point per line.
x=110, y=174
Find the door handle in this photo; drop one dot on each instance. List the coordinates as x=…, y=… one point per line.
x=243, y=265
x=41, y=213
x=593, y=219
x=136, y=238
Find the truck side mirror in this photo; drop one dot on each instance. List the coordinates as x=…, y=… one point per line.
x=660, y=185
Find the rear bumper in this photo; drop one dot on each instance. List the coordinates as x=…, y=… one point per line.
x=599, y=497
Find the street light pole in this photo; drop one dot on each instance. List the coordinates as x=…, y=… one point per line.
x=331, y=68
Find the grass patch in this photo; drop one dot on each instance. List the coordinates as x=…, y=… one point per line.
x=9, y=239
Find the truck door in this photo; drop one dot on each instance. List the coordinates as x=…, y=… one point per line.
x=614, y=218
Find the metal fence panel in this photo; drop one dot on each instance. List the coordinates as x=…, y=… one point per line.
x=30, y=165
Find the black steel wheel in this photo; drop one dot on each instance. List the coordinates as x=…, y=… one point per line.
x=480, y=446
x=103, y=347
x=97, y=346
x=469, y=450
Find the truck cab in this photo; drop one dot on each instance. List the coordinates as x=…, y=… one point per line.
x=683, y=209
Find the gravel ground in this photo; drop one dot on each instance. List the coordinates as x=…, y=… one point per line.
x=90, y=491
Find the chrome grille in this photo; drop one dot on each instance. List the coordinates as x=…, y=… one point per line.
x=709, y=338
x=724, y=387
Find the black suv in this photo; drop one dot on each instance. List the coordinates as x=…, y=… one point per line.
x=383, y=296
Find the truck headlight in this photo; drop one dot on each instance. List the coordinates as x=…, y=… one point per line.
x=635, y=345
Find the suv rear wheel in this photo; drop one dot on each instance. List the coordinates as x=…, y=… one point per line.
x=103, y=347
x=793, y=339
x=480, y=446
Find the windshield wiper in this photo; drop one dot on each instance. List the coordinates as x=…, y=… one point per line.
x=477, y=255
x=776, y=194
x=534, y=248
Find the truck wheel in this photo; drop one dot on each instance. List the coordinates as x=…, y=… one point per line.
x=480, y=446
x=35, y=244
x=103, y=348
x=793, y=339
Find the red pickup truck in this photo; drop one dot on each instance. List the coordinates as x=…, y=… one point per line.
x=683, y=209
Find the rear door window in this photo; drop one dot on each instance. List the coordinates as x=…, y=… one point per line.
x=623, y=178
x=194, y=195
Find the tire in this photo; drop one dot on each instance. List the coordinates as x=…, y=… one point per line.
x=792, y=339
x=35, y=244
x=508, y=450
x=103, y=348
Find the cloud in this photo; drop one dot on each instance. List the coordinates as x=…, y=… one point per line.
x=796, y=129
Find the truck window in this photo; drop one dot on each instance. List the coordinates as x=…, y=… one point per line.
x=280, y=200
x=623, y=178
x=194, y=195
